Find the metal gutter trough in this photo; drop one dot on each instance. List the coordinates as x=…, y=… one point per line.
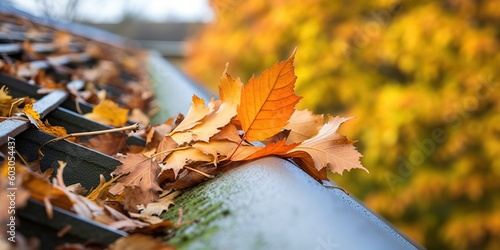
x=272, y=204
x=265, y=204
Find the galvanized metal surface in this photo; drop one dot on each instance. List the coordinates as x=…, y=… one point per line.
x=272, y=204
x=173, y=89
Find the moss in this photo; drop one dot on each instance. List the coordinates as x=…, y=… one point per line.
x=200, y=209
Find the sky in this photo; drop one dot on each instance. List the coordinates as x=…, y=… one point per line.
x=111, y=11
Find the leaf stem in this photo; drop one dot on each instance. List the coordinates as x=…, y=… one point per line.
x=199, y=172
x=239, y=144
x=168, y=151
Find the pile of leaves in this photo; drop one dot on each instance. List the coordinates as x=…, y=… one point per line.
x=51, y=59
x=249, y=121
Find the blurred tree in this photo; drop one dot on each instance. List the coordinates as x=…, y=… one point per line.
x=422, y=78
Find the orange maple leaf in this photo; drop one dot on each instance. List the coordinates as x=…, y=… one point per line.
x=246, y=153
x=330, y=149
x=268, y=101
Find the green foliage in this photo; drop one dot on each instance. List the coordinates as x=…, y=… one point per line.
x=420, y=76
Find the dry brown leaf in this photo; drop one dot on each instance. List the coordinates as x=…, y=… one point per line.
x=109, y=113
x=135, y=197
x=160, y=206
x=228, y=132
x=139, y=241
x=188, y=178
x=178, y=159
x=165, y=147
x=303, y=125
x=142, y=172
x=109, y=144
x=101, y=191
x=268, y=101
x=197, y=112
x=216, y=148
x=329, y=149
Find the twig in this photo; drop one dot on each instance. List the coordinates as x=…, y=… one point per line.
x=130, y=127
x=199, y=172
x=168, y=150
x=239, y=144
x=21, y=157
x=339, y=188
x=12, y=105
x=179, y=220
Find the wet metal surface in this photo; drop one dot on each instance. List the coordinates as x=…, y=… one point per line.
x=272, y=204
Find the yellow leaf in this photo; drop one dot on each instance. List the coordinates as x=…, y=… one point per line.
x=230, y=94
x=109, y=113
x=268, y=101
x=34, y=117
x=197, y=112
x=8, y=105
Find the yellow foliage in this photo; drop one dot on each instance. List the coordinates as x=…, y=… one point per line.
x=109, y=113
x=8, y=104
x=420, y=76
x=57, y=131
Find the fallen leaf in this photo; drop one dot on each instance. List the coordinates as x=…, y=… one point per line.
x=8, y=105
x=187, y=178
x=329, y=149
x=135, y=197
x=197, y=112
x=230, y=95
x=142, y=172
x=138, y=116
x=303, y=125
x=109, y=144
x=109, y=113
x=217, y=148
x=228, y=132
x=268, y=101
x=165, y=147
x=160, y=206
x=139, y=241
x=252, y=153
x=57, y=131
x=179, y=158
